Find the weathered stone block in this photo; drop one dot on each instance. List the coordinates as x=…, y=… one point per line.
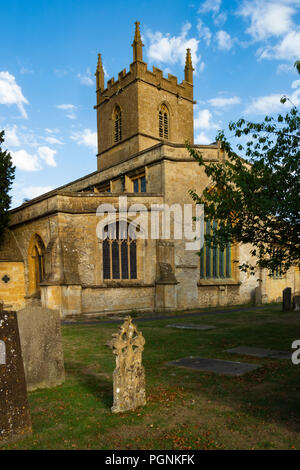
x=15, y=419
x=40, y=335
x=287, y=299
x=296, y=302
x=129, y=375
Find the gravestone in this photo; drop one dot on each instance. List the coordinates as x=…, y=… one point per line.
x=15, y=419
x=129, y=375
x=260, y=352
x=258, y=295
x=191, y=326
x=218, y=366
x=41, y=345
x=287, y=299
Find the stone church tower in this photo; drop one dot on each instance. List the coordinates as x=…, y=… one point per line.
x=126, y=105
x=53, y=255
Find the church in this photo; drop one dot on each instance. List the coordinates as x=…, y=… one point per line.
x=52, y=254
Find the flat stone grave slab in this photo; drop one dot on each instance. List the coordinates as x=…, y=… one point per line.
x=235, y=369
x=260, y=352
x=191, y=326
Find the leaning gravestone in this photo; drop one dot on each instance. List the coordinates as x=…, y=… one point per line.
x=40, y=336
x=129, y=375
x=287, y=299
x=15, y=419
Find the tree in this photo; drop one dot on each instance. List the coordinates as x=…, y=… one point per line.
x=256, y=200
x=7, y=174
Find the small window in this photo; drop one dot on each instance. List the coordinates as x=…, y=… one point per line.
x=139, y=184
x=103, y=188
x=163, y=122
x=117, y=124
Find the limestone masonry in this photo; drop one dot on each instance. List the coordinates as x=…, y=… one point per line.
x=52, y=257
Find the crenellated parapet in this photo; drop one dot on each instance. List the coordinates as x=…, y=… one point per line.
x=139, y=71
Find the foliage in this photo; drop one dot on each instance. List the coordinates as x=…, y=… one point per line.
x=7, y=174
x=256, y=200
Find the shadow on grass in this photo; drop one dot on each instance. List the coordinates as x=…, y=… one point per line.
x=93, y=382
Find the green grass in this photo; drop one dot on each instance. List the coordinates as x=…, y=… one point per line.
x=186, y=409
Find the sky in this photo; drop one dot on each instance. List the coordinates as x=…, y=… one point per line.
x=243, y=54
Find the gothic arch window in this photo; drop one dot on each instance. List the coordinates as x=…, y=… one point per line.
x=215, y=263
x=36, y=262
x=163, y=122
x=117, y=124
x=119, y=253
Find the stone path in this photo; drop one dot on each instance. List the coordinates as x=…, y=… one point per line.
x=260, y=352
x=191, y=326
x=235, y=369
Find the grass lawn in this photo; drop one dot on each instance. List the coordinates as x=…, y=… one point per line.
x=186, y=409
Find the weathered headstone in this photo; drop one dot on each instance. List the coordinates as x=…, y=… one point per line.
x=287, y=299
x=41, y=345
x=258, y=295
x=15, y=419
x=296, y=301
x=129, y=375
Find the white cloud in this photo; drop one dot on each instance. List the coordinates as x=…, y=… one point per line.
x=23, y=70
x=202, y=139
x=86, y=79
x=34, y=191
x=203, y=120
x=267, y=18
x=47, y=154
x=25, y=161
x=68, y=107
x=287, y=49
x=210, y=5
x=220, y=102
x=11, y=93
x=271, y=104
x=225, y=42
x=204, y=32
x=172, y=49
x=296, y=84
x=86, y=137
x=11, y=138
x=53, y=140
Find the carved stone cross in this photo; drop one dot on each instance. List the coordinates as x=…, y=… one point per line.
x=129, y=375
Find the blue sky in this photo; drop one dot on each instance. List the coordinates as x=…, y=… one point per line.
x=243, y=53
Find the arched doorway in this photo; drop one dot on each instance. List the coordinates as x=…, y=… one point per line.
x=36, y=264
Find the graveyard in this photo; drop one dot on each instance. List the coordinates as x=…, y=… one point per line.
x=213, y=380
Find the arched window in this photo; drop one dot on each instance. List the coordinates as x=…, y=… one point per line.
x=163, y=122
x=36, y=261
x=117, y=122
x=119, y=252
x=215, y=263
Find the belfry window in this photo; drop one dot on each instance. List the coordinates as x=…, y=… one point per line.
x=119, y=253
x=139, y=184
x=117, y=124
x=215, y=263
x=163, y=122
